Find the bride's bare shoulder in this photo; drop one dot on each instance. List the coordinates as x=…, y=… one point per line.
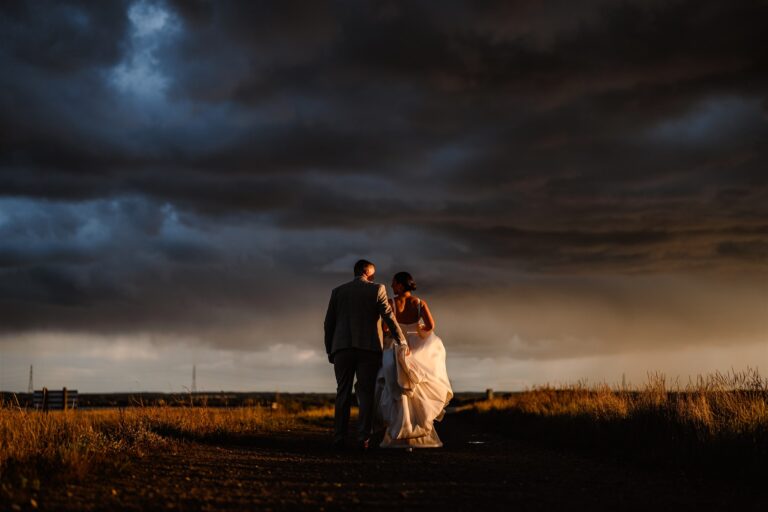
x=413, y=300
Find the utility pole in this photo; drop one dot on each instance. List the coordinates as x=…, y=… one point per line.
x=31, y=386
x=193, y=389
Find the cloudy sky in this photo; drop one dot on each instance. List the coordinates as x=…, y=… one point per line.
x=579, y=188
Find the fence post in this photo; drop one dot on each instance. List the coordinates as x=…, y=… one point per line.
x=489, y=394
x=45, y=399
x=64, y=398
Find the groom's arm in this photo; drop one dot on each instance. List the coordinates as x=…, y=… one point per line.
x=330, y=325
x=385, y=311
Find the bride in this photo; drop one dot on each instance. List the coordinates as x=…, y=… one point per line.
x=412, y=385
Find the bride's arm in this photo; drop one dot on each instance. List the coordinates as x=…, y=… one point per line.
x=426, y=315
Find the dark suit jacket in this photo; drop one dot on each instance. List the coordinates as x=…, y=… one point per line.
x=354, y=317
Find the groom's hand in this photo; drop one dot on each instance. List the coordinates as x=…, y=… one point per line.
x=330, y=358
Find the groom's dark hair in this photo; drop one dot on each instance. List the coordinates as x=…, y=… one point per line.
x=361, y=265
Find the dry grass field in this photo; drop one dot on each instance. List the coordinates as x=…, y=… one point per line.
x=717, y=424
x=68, y=445
x=715, y=429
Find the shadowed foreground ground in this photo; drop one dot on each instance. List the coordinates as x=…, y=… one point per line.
x=476, y=470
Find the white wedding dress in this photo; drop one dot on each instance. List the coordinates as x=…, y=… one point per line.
x=413, y=390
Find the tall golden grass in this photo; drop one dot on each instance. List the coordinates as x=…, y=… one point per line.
x=714, y=404
x=35, y=445
x=716, y=422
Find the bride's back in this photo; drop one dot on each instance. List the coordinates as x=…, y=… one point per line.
x=407, y=309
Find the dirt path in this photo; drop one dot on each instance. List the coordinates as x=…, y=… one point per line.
x=296, y=470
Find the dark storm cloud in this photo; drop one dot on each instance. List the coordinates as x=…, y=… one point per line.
x=134, y=265
x=163, y=164
x=64, y=37
x=754, y=250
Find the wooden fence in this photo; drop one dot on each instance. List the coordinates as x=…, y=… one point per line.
x=59, y=399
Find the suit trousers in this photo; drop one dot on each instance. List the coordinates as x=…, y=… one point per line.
x=365, y=364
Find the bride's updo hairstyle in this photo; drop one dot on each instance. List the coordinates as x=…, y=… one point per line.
x=405, y=279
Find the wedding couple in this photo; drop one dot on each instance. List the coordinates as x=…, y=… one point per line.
x=402, y=384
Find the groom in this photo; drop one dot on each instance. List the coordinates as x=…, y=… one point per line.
x=353, y=343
